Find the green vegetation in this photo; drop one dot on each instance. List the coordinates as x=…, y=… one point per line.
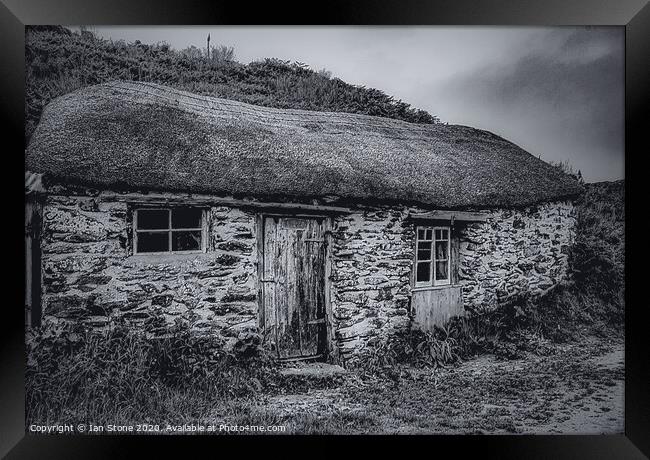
x=59, y=61
x=121, y=376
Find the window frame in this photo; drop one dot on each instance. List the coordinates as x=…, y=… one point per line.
x=432, y=281
x=169, y=230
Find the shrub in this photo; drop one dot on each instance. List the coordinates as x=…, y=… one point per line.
x=476, y=334
x=434, y=349
x=593, y=297
x=597, y=259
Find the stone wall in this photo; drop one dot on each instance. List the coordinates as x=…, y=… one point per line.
x=372, y=256
x=90, y=276
x=514, y=253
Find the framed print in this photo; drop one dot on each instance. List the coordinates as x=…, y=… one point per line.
x=381, y=221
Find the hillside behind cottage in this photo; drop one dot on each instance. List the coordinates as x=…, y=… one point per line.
x=58, y=61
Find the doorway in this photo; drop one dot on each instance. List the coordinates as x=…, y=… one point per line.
x=293, y=285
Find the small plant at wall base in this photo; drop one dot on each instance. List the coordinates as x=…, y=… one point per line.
x=412, y=347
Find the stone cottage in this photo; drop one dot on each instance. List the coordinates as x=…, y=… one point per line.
x=315, y=230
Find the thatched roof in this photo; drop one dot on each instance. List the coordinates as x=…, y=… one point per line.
x=143, y=136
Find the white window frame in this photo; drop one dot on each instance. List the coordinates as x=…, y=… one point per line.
x=169, y=230
x=432, y=257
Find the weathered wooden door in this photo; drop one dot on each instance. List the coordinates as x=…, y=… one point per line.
x=293, y=285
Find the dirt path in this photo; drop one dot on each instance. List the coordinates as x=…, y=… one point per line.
x=598, y=408
x=577, y=389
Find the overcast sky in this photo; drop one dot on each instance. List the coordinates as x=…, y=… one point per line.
x=557, y=92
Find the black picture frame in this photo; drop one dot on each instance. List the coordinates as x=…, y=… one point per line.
x=634, y=15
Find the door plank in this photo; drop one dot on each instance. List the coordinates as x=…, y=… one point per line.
x=281, y=300
x=312, y=302
x=268, y=272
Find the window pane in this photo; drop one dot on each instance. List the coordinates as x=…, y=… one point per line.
x=420, y=233
x=424, y=272
x=153, y=219
x=445, y=234
x=186, y=241
x=424, y=250
x=441, y=249
x=153, y=241
x=441, y=270
x=186, y=218
x=429, y=233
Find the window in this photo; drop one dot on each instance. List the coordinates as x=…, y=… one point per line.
x=168, y=230
x=432, y=264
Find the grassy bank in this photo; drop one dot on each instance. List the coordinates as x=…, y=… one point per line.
x=58, y=61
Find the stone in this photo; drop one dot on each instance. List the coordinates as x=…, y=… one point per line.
x=234, y=246
x=162, y=300
x=316, y=371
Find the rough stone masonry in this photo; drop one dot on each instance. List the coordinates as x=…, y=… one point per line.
x=90, y=276
x=516, y=252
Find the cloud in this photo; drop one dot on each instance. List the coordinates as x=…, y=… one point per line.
x=560, y=95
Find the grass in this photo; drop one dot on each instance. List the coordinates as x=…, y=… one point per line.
x=113, y=379
x=491, y=396
x=540, y=394
x=121, y=376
